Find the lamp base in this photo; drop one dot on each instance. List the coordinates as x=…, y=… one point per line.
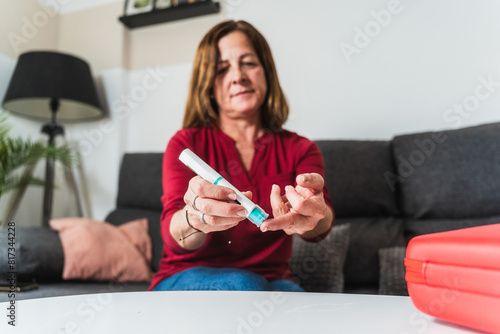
x=52, y=130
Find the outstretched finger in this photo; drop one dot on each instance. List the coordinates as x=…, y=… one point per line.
x=305, y=205
x=313, y=181
x=278, y=205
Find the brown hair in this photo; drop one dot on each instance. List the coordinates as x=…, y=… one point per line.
x=201, y=109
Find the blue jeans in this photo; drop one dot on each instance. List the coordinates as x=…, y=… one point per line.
x=205, y=278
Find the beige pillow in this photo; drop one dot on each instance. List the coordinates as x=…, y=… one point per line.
x=95, y=250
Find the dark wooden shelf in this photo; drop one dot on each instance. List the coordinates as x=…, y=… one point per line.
x=179, y=12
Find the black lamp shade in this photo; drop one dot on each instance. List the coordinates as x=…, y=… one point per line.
x=42, y=76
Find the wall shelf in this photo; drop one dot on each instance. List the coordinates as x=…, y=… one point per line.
x=179, y=12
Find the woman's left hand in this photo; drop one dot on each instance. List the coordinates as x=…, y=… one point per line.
x=300, y=209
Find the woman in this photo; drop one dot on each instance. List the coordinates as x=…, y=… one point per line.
x=233, y=121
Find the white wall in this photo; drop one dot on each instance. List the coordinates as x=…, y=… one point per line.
x=426, y=58
x=421, y=65
x=71, y=6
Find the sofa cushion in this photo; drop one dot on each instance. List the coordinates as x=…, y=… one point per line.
x=416, y=227
x=95, y=250
x=69, y=288
x=449, y=174
x=140, y=182
x=38, y=253
x=354, y=176
x=392, y=271
x=122, y=215
x=318, y=266
x=367, y=236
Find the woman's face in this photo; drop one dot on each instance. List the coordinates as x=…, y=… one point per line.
x=240, y=83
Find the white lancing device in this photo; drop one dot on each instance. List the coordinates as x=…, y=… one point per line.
x=254, y=212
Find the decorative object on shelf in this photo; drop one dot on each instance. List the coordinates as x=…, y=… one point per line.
x=133, y=7
x=169, y=10
x=162, y=4
x=183, y=2
x=52, y=86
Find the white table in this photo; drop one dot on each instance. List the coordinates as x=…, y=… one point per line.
x=222, y=312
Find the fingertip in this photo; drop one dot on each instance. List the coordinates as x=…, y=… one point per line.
x=248, y=194
x=264, y=227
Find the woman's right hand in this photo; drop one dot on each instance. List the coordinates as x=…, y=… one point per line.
x=212, y=203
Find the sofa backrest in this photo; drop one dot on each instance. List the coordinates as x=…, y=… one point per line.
x=453, y=174
x=355, y=177
x=450, y=174
x=140, y=182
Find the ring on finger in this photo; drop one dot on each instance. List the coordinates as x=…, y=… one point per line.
x=193, y=204
x=201, y=218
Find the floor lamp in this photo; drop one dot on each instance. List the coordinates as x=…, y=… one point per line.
x=52, y=86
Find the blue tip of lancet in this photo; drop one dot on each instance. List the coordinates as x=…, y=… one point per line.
x=257, y=216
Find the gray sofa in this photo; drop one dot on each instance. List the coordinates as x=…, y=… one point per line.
x=383, y=192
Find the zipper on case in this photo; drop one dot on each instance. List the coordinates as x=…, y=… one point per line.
x=415, y=271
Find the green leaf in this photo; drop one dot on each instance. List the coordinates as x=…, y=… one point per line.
x=16, y=153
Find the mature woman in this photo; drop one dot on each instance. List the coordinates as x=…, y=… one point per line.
x=233, y=121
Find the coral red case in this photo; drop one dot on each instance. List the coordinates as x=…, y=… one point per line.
x=455, y=276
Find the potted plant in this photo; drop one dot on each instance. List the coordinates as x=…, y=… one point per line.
x=16, y=153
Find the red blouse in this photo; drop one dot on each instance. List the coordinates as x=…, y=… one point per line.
x=278, y=159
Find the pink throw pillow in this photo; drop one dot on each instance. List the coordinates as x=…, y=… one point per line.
x=95, y=250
